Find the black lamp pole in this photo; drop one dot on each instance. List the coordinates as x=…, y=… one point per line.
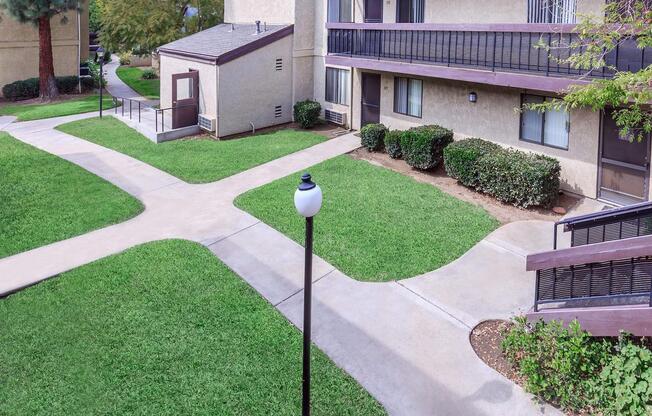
x=307, y=309
x=307, y=199
x=100, y=54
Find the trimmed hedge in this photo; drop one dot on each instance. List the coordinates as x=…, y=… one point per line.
x=306, y=113
x=461, y=159
x=519, y=178
x=511, y=176
x=373, y=137
x=393, y=144
x=423, y=146
x=29, y=88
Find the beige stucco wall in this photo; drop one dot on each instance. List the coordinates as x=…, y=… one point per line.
x=270, y=11
x=19, y=46
x=474, y=11
x=251, y=95
x=494, y=118
x=207, y=82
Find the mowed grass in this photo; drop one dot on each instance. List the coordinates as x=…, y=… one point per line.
x=28, y=112
x=375, y=224
x=161, y=329
x=195, y=160
x=44, y=199
x=133, y=76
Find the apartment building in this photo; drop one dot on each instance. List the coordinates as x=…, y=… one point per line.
x=19, y=50
x=467, y=65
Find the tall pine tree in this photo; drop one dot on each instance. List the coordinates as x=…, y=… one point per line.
x=39, y=13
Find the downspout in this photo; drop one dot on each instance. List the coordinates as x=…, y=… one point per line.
x=79, y=44
x=217, y=99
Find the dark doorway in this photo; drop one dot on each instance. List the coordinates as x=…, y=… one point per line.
x=624, y=165
x=409, y=11
x=373, y=11
x=185, y=99
x=370, y=98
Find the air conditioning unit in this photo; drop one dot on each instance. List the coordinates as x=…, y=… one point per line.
x=207, y=122
x=335, y=117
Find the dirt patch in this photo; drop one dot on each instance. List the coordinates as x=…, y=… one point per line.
x=504, y=213
x=485, y=340
x=330, y=131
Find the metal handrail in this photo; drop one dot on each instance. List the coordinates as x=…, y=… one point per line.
x=603, y=219
x=130, y=100
x=163, y=110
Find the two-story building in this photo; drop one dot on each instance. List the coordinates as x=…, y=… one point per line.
x=466, y=65
x=19, y=46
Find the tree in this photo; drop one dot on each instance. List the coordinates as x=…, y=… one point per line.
x=39, y=13
x=629, y=93
x=141, y=26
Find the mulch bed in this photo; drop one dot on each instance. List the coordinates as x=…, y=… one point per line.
x=485, y=340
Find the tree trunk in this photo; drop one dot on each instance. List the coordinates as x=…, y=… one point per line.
x=47, y=81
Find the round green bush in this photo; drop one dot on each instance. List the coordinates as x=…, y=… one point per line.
x=423, y=146
x=393, y=144
x=306, y=113
x=149, y=74
x=373, y=136
x=461, y=159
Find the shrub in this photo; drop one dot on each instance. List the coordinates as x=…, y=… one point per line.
x=423, y=146
x=29, y=88
x=519, y=178
x=107, y=56
x=373, y=136
x=306, y=113
x=461, y=159
x=393, y=144
x=21, y=90
x=557, y=363
x=582, y=374
x=149, y=74
x=125, y=58
x=624, y=386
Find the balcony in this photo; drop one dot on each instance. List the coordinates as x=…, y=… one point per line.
x=473, y=52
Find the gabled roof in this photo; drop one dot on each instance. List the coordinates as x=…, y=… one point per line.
x=225, y=42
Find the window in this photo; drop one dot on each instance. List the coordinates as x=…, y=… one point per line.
x=549, y=128
x=409, y=11
x=340, y=11
x=408, y=94
x=551, y=11
x=337, y=86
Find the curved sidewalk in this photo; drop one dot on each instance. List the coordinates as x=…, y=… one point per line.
x=117, y=88
x=406, y=342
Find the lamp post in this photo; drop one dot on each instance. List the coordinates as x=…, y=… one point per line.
x=307, y=200
x=100, y=54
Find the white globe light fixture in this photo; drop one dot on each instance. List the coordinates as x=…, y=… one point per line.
x=308, y=197
x=307, y=200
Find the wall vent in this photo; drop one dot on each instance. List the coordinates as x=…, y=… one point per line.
x=335, y=117
x=278, y=111
x=279, y=64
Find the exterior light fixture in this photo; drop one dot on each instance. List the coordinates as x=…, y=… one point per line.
x=100, y=55
x=307, y=200
x=473, y=97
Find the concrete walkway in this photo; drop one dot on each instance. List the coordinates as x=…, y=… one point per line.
x=117, y=88
x=406, y=342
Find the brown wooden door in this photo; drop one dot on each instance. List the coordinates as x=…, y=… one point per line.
x=185, y=99
x=370, y=98
x=624, y=165
x=373, y=11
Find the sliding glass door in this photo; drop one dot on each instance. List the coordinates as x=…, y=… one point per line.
x=409, y=11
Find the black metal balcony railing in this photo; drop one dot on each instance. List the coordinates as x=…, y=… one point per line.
x=495, y=51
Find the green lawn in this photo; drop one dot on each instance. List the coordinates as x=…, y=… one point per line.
x=193, y=160
x=161, y=329
x=375, y=224
x=27, y=112
x=132, y=76
x=44, y=199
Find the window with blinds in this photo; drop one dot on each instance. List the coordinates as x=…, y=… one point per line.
x=552, y=11
x=408, y=96
x=340, y=11
x=337, y=86
x=410, y=11
x=550, y=128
